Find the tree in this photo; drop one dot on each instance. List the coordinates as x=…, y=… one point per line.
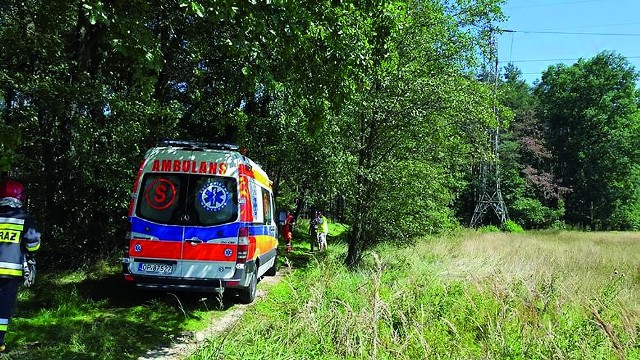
x=415, y=98
x=590, y=110
x=529, y=186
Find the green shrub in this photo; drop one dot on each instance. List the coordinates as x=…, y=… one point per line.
x=558, y=225
x=489, y=229
x=512, y=227
x=532, y=214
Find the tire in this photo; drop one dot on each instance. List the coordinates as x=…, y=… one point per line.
x=248, y=294
x=272, y=270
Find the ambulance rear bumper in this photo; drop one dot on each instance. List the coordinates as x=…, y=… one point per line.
x=212, y=285
x=188, y=285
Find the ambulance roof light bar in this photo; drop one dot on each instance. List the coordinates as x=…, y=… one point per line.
x=198, y=145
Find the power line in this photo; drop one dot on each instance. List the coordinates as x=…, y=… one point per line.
x=591, y=26
x=567, y=33
x=552, y=4
x=565, y=59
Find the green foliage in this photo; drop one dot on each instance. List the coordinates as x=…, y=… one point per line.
x=407, y=212
x=409, y=153
x=512, y=227
x=533, y=214
x=9, y=141
x=93, y=85
x=489, y=229
x=592, y=119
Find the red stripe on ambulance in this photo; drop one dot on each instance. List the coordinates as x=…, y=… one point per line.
x=209, y=252
x=154, y=249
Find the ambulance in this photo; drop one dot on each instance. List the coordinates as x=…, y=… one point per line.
x=201, y=219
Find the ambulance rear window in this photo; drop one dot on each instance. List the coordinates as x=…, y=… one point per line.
x=159, y=197
x=188, y=199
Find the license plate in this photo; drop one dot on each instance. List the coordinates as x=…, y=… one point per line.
x=155, y=268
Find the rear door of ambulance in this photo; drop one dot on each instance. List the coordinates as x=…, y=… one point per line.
x=157, y=221
x=209, y=249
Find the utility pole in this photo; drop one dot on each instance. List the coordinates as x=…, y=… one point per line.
x=489, y=187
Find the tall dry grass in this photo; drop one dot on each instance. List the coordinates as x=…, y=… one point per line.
x=581, y=264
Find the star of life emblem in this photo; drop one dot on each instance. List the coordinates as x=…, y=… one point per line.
x=228, y=252
x=137, y=248
x=214, y=196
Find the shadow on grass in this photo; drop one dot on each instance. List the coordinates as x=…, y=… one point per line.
x=102, y=318
x=107, y=318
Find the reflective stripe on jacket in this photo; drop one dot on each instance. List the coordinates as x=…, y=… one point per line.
x=18, y=236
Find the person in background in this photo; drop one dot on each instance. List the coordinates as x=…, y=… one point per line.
x=314, y=226
x=323, y=231
x=19, y=242
x=287, y=230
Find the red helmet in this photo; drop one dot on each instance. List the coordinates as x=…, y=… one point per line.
x=13, y=189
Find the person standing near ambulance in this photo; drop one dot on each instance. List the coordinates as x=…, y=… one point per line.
x=19, y=242
x=314, y=227
x=318, y=230
x=288, y=229
x=323, y=231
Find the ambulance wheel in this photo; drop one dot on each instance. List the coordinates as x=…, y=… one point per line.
x=272, y=270
x=248, y=294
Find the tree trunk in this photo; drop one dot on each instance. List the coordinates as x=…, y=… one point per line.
x=300, y=203
x=363, y=192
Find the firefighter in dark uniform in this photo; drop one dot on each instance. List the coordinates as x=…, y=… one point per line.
x=19, y=241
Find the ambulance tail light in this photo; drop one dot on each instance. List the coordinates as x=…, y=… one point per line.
x=128, y=277
x=127, y=241
x=243, y=244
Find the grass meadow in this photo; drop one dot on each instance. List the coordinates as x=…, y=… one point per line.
x=536, y=295
x=472, y=295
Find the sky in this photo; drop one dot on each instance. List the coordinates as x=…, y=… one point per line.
x=548, y=32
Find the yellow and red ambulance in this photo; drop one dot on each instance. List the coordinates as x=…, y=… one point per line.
x=202, y=219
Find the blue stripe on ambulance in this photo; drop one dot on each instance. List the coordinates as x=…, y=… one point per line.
x=174, y=233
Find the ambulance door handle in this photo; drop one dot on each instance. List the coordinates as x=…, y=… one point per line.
x=194, y=241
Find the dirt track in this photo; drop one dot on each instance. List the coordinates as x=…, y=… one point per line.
x=190, y=341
